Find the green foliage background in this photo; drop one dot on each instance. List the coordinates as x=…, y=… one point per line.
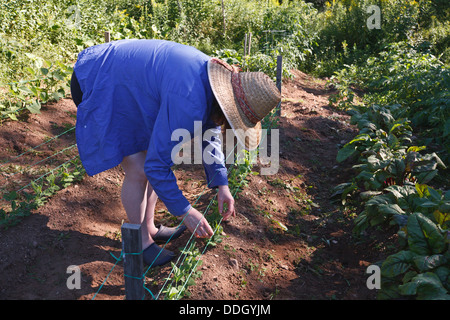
x=402, y=69
x=318, y=36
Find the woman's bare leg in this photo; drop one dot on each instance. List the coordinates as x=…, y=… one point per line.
x=138, y=197
x=149, y=219
x=139, y=201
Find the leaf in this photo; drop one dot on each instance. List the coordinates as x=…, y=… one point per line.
x=397, y=168
x=382, y=199
x=172, y=292
x=424, y=166
x=426, y=177
x=443, y=272
x=346, y=152
x=421, y=189
x=395, y=126
x=35, y=107
x=361, y=223
x=401, y=219
x=427, y=286
x=397, y=264
x=424, y=237
x=58, y=75
x=376, y=164
x=391, y=209
x=444, y=206
x=438, y=160
x=446, y=128
x=426, y=263
x=190, y=282
x=366, y=195
x=389, y=291
x=400, y=192
x=447, y=195
x=57, y=95
x=441, y=217
x=365, y=176
x=434, y=194
x=31, y=71
x=408, y=276
x=343, y=189
x=415, y=149
x=377, y=219
x=282, y=226
x=11, y=196
x=12, y=116
x=392, y=141
x=428, y=204
x=25, y=89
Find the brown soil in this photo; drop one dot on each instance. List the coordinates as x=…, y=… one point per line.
x=316, y=258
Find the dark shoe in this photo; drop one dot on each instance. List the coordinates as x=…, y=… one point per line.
x=165, y=234
x=154, y=255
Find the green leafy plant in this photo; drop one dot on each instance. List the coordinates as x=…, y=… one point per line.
x=184, y=275
x=391, y=185
x=395, y=203
x=22, y=204
x=407, y=80
x=423, y=269
x=48, y=84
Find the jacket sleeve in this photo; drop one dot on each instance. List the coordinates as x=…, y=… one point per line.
x=175, y=113
x=213, y=158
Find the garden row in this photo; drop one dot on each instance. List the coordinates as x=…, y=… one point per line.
x=184, y=275
x=401, y=175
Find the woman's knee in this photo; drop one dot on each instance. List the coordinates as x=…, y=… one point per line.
x=133, y=167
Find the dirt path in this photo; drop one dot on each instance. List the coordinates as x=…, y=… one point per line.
x=316, y=258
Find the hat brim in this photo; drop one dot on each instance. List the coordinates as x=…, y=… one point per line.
x=247, y=133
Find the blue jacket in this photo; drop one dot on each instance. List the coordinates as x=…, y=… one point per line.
x=135, y=94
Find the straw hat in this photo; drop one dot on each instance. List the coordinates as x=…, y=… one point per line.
x=245, y=98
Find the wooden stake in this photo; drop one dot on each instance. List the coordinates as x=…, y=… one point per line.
x=133, y=261
x=107, y=36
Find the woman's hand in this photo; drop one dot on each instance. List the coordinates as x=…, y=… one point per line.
x=224, y=196
x=195, y=222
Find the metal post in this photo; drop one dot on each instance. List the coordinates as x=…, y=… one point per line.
x=133, y=261
x=245, y=45
x=279, y=78
x=249, y=48
x=244, y=57
x=223, y=15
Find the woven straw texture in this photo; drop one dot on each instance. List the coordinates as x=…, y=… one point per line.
x=260, y=92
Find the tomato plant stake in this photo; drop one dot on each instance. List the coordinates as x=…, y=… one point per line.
x=133, y=261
